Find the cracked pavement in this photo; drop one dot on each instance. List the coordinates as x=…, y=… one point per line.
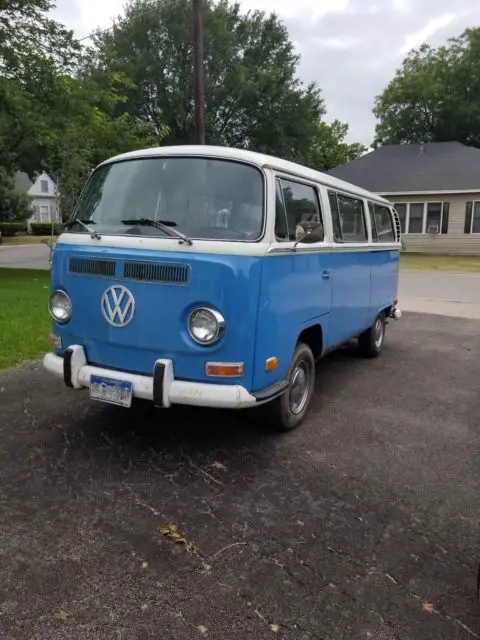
x=184, y=524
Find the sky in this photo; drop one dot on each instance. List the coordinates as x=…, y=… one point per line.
x=350, y=48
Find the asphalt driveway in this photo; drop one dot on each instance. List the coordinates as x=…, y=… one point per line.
x=187, y=524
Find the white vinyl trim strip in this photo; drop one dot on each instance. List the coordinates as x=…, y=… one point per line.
x=263, y=248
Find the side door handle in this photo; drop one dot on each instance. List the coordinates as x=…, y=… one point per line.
x=326, y=275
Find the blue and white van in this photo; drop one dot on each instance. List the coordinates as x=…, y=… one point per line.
x=217, y=277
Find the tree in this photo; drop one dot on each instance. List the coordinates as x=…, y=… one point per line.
x=91, y=134
x=253, y=97
x=14, y=207
x=434, y=96
x=55, y=115
x=34, y=52
x=328, y=147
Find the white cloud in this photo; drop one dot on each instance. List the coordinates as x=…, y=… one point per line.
x=414, y=40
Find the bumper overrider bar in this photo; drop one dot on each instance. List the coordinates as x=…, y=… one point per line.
x=161, y=388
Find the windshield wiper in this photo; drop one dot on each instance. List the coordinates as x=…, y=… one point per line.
x=93, y=234
x=164, y=225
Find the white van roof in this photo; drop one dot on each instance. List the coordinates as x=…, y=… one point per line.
x=259, y=159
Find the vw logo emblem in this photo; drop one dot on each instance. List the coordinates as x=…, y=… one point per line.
x=118, y=306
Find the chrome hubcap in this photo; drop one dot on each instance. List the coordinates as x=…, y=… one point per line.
x=378, y=333
x=299, y=387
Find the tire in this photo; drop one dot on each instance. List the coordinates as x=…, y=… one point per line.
x=286, y=412
x=370, y=342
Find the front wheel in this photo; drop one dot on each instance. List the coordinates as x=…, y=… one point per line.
x=288, y=410
x=370, y=342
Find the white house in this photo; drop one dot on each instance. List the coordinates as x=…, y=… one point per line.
x=43, y=195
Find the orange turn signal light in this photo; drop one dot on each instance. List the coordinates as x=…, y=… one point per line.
x=56, y=341
x=224, y=369
x=271, y=364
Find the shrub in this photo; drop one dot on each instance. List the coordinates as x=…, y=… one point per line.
x=9, y=229
x=44, y=229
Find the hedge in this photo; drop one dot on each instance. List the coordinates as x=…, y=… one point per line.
x=44, y=229
x=9, y=229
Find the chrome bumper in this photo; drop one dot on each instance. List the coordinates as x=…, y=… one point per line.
x=161, y=388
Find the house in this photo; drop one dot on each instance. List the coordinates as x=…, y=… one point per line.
x=43, y=194
x=435, y=188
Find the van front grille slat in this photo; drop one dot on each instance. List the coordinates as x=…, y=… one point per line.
x=178, y=274
x=91, y=267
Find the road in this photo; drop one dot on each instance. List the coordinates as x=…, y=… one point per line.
x=34, y=256
x=451, y=294
x=361, y=525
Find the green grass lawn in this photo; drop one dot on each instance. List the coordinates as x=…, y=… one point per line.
x=8, y=242
x=453, y=264
x=24, y=317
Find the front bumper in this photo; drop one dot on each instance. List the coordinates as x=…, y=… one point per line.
x=161, y=388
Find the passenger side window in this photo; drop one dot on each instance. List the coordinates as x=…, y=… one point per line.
x=337, y=229
x=382, y=223
x=281, y=226
x=348, y=218
x=301, y=205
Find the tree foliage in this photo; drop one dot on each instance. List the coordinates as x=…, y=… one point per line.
x=35, y=52
x=65, y=108
x=434, y=96
x=55, y=115
x=328, y=148
x=93, y=132
x=253, y=97
x=14, y=207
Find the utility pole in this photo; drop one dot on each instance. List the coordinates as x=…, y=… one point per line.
x=198, y=73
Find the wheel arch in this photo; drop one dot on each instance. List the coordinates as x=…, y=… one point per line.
x=312, y=336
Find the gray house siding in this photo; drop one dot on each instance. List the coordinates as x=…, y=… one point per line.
x=455, y=241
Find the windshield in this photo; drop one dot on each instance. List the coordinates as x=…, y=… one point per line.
x=200, y=198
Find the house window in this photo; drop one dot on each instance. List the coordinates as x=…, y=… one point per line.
x=434, y=217
x=472, y=217
x=348, y=218
x=44, y=213
x=382, y=223
x=301, y=204
x=415, y=218
x=423, y=217
x=44, y=186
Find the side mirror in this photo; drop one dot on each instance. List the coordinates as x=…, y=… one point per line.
x=309, y=233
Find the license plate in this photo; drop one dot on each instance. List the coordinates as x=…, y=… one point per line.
x=111, y=391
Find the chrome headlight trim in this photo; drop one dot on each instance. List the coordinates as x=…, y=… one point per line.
x=60, y=300
x=217, y=333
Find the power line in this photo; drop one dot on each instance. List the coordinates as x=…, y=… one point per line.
x=147, y=12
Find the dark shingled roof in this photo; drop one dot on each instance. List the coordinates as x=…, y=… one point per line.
x=22, y=182
x=436, y=166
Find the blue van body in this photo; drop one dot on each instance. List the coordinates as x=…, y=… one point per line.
x=269, y=293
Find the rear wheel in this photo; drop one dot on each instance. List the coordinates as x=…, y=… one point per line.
x=370, y=342
x=288, y=410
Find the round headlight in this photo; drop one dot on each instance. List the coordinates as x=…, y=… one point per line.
x=206, y=326
x=60, y=306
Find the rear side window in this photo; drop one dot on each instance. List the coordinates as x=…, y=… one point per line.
x=295, y=203
x=348, y=216
x=382, y=223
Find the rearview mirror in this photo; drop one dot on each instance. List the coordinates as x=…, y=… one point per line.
x=309, y=233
